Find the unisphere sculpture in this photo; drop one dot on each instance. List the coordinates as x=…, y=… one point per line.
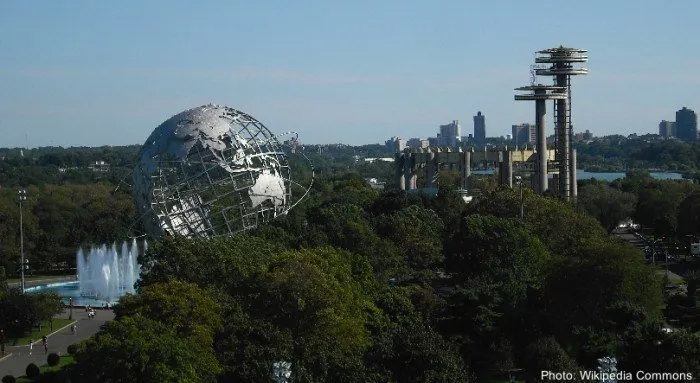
x=212, y=171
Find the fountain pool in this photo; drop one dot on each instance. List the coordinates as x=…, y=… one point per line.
x=104, y=274
x=66, y=290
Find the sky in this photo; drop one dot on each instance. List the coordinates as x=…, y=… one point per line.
x=92, y=73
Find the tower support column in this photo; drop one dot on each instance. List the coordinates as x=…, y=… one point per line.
x=431, y=171
x=399, y=170
x=563, y=148
x=540, y=121
x=574, y=176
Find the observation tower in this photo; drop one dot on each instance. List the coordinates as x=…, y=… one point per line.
x=541, y=93
x=562, y=60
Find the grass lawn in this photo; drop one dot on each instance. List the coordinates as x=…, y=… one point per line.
x=36, y=334
x=30, y=278
x=65, y=360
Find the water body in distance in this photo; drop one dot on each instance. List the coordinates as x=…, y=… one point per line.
x=603, y=176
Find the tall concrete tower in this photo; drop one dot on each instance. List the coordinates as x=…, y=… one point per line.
x=480, y=129
x=562, y=62
x=540, y=94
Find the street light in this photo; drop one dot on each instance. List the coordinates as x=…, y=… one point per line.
x=519, y=180
x=22, y=197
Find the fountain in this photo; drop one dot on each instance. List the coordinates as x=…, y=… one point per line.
x=106, y=273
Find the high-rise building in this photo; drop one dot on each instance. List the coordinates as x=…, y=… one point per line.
x=450, y=134
x=433, y=141
x=667, y=129
x=524, y=134
x=395, y=144
x=583, y=136
x=480, y=129
x=686, y=125
x=417, y=143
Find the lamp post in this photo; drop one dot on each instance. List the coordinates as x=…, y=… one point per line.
x=22, y=197
x=519, y=180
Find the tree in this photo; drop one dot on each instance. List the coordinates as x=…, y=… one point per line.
x=418, y=232
x=412, y=352
x=557, y=225
x=17, y=312
x=47, y=304
x=657, y=350
x=3, y=282
x=546, y=354
x=319, y=296
x=342, y=225
x=494, y=265
x=217, y=263
x=658, y=206
x=497, y=250
x=607, y=204
x=138, y=349
x=188, y=310
x=580, y=290
x=689, y=214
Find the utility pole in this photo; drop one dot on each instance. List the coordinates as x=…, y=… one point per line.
x=22, y=197
x=519, y=180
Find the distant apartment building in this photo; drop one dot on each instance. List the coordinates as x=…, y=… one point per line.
x=686, y=125
x=524, y=134
x=293, y=144
x=450, y=134
x=433, y=141
x=667, y=129
x=583, y=136
x=417, y=143
x=395, y=144
x=480, y=129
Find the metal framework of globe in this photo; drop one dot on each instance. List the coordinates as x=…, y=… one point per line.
x=212, y=171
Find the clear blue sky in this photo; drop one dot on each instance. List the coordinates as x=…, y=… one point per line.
x=107, y=72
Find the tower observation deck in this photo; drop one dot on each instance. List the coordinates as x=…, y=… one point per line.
x=562, y=60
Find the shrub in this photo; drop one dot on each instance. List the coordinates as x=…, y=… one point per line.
x=72, y=349
x=53, y=359
x=32, y=371
x=8, y=379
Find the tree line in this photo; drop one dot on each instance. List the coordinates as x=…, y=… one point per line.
x=358, y=285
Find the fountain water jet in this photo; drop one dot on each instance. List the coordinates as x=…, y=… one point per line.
x=107, y=274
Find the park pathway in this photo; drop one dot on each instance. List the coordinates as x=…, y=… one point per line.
x=59, y=341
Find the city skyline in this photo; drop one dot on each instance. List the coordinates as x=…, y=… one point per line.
x=91, y=74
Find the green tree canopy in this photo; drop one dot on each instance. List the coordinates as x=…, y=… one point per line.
x=608, y=205
x=182, y=306
x=138, y=349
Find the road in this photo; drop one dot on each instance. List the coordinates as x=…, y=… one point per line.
x=58, y=342
x=639, y=243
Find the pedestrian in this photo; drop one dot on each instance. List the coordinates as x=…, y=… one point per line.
x=31, y=344
x=46, y=348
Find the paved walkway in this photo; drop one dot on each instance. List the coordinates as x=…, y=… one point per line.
x=59, y=341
